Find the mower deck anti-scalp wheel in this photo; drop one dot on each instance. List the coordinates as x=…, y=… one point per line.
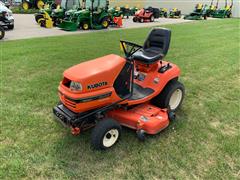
x=171, y=97
x=105, y=134
x=141, y=20
x=2, y=32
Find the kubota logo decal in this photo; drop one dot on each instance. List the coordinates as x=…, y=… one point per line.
x=97, y=85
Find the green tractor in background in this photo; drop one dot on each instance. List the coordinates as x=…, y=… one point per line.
x=224, y=12
x=95, y=16
x=175, y=13
x=37, y=4
x=211, y=9
x=56, y=13
x=133, y=10
x=199, y=13
x=164, y=12
x=122, y=11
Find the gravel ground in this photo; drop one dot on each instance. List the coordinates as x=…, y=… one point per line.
x=26, y=27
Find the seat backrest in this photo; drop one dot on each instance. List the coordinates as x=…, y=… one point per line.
x=158, y=40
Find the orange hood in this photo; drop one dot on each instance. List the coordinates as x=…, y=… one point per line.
x=101, y=70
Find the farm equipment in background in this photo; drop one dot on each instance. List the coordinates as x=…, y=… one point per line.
x=115, y=16
x=94, y=17
x=36, y=4
x=133, y=10
x=119, y=12
x=211, y=9
x=164, y=12
x=6, y=17
x=224, y=12
x=53, y=15
x=198, y=14
x=2, y=32
x=146, y=15
x=125, y=11
x=175, y=13
x=115, y=12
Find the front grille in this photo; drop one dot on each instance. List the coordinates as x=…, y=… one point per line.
x=66, y=82
x=70, y=103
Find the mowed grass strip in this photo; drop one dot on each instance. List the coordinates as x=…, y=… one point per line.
x=203, y=143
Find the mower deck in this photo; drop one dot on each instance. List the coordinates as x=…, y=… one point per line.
x=145, y=117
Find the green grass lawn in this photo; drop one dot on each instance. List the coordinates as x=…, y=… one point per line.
x=203, y=143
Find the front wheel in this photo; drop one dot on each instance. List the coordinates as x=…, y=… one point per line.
x=141, y=20
x=171, y=97
x=151, y=18
x=85, y=26
x=105, y=23
x=105, y=134
x=135, y=19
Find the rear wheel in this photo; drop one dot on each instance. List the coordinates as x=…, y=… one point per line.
x=105, y=134
x=2, y=32
x=171, y=97
x=25, y=5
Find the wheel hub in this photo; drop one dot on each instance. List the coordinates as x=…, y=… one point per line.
x=110, y=137
x=175, y=99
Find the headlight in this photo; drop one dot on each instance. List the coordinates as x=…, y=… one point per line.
x=75, y=86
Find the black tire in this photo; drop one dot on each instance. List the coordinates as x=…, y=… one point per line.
x=163, y=99
x=141, y=20
x=101, y=131
x=85, y=26
x=38, y=16
x=165, y=15
x=106, y=20
x=42, y=23
x=2, y=32
x=135, y=19
x=10, y=27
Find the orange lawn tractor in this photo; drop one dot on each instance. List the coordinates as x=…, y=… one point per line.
x=146, y=15
x=140, y=91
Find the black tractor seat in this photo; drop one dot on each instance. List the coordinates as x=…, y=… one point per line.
x=155, y=47
x=139, y=92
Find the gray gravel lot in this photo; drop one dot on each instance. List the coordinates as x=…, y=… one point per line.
x=26, y=27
